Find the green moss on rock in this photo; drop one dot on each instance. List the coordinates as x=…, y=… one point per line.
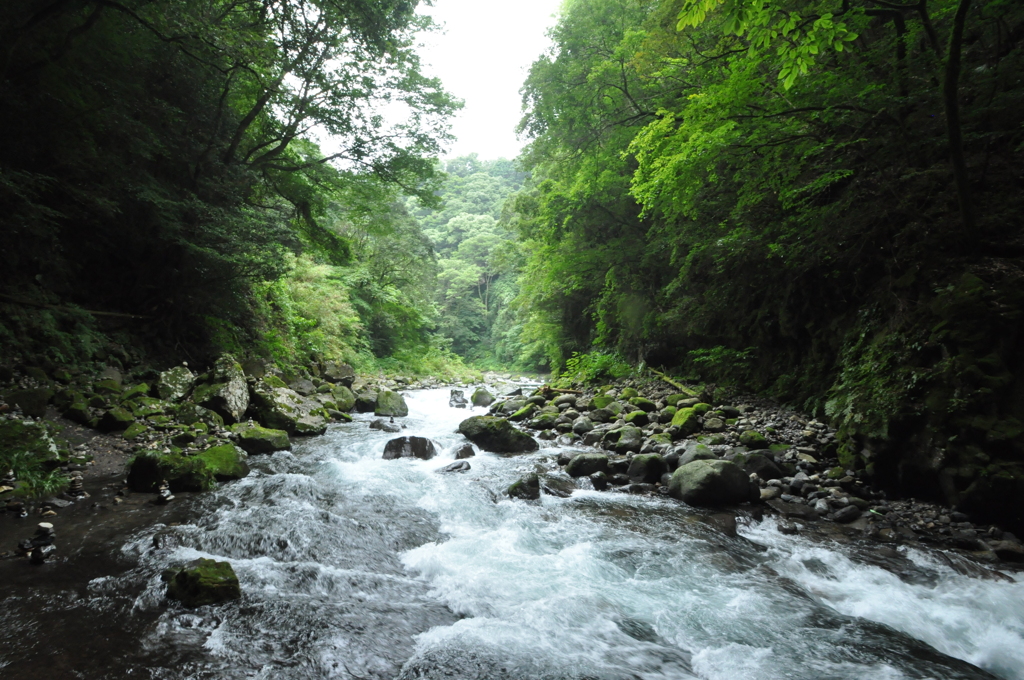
x=204, y=582
x=687, y=420
x=497, y=435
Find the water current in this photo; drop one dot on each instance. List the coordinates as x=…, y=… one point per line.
x=356, y=567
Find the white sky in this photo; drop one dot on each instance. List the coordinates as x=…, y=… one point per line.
x=482, y=56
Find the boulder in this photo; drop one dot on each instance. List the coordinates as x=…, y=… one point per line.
x=763, y=466
x=366, y=401
x=344, y=400
x=624, y=439
x=190, y=414
x=280, y=408
x=543, y=421
x=482, y=397
x=253, y=438
x=714, y=425
x=586, y=464
x=600, y=401
x=557, y=485
x=710, y=483
x=187, y=473
x=409, y=447
x=465, y=451
x=385, y=425
x=457, y=399
x=644, y=404
x=753, y=440
x=116, y=419
x=341, y=374
x=203, y=582
x=31, y=402
x=496, y=434
x=457, y=466
x=523, y=413
x=646, y=468
x=303, y=386
x=175, y=384
x=582, y=425
x=390, y=404
x=638, y=418
x=694, y=451
x=527, y=488
x=226, y=393
x=687, y=420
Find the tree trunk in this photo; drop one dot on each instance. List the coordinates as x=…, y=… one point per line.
x=950, y=100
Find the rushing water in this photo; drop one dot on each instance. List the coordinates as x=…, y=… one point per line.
x=356, y=567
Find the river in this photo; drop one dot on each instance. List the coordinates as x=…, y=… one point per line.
x=356, y=567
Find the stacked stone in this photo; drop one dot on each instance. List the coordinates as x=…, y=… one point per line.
x=75, y=486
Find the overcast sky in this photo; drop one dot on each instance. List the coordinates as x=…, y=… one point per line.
x=482, y=56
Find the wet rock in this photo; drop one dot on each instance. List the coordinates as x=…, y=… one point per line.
x=791, y=510
x=457, y=466
x=527, y=488
x=482, y=397
x=465, y=451
x=599, y=480
x=646, y=468
x=457, y=399
x=1008, y=551
x=586, y=464
x=559, y=486
x=175, y=384
x=710, y=482
x=694, y=451
x=203, y=582
x=366, y=401
x=409, y=447
x=846, y=515
x=497, y=435
x=724, y=522
x=253, y=438
x=385, y=425
x=787, y=528
x=42, y=553
x=391, y=404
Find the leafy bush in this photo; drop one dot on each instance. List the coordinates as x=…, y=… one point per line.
x=593, y=367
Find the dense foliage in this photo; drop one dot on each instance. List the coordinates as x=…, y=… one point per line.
x=795, y=195
x=477, y=259
x=159, y=160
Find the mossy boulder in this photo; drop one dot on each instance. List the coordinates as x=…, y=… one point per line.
x=78, y=412
x=586, y=464
x=175, y=384
x=134, y=392
x=187, y=473
x=644, y=404
x=687, y=420
x=523, y=413
x=116, y=419
x=203, y=582
x=625, y=439
x=628, y=393
x=481, y=397
x=497, y=435
x=701, y=408
x=527, y=488
x=695, y=451
x=134, y=431
x=32, y=402
x=753, y=440
x=281, y=408
x=706, y=483
x=543, y=421
x=344, y=400
x=108, y=386
x=600, y=401
x=253, y=438
x=764, y=467
x=638, y=418
x=646, y=468
x=190, y=414
x=390, y=404
x=226, y=392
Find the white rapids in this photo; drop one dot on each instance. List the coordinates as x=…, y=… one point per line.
x=356, y=567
